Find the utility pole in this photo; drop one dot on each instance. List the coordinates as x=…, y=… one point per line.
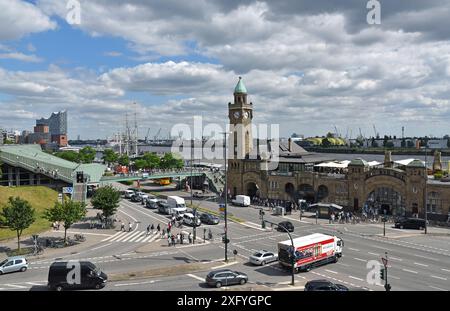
x=383, y=273
x=226, y=194
x=426, y=194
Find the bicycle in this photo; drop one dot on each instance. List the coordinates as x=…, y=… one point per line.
x=38, y=249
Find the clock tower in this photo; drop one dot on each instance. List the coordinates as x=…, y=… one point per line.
x=240, y=114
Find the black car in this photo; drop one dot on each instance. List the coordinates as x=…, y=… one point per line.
x=135, y=198
x=63, y=275
x=324, y=285
x=225, y=277
x=286, y=224
x=209, y=219
x=410, y=223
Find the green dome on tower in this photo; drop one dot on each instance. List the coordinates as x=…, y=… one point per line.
x=240, y=87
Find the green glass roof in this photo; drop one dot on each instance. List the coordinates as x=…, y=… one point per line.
x=240, y=87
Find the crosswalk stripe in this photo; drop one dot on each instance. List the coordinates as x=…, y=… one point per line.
x=130, y=236
x=112, y=236
x=127, y=235
x=153, y=239
x=144, y=236
x=122, y=234
x=137, y=237
x=147, y=238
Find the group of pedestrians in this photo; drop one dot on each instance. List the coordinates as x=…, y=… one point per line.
x=179, y=238
x=122, y=226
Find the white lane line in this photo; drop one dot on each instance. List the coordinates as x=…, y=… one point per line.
x=15, y=286
x=140, y=283
x=147, y=238
x=343, y=264
x=420, y=264
x=129, y=236
x=122, y=234
x=138, y=236
x=446, y=270
x=411, y=271
x=394, y=277
x=162, y=219
x=331, y=271
x=359, y=259
x=353, y=249
x=111, y=237
x=424, y=257
x=289, y=288
x=92, y=249
x=145, y=235
x=36, y=284
x=196, y=277
x=355, y=278
x=395, y=258
x=375, y=254
x=438, y=288
x=438, y=277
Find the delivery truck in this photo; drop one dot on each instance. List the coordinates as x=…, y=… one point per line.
x=241, y=200
x=310, y=251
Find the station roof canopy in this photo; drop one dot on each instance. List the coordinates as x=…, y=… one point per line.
x=404, y=162
x=32, y=158
x=343, y=164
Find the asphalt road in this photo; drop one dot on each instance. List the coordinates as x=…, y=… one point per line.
x=416, y=261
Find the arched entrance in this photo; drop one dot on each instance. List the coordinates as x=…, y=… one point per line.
x=386, y=199
x=306, y=192
x=252, y=189
x=289, y=188
x=322, y=193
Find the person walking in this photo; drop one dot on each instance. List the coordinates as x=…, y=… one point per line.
x=163, y=233
x=178, y=237
x=169, y=240
x=190, y=238
x=130, y=226
x=181, y=238
x=148, y=229
x=173, y=240
x=122, y=226
x=158, y=228
x=152, y=228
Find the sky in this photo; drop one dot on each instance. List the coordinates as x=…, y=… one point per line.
x=309, y=66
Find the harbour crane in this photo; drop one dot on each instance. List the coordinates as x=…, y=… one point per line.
x=146, y=136
x=157, y=134
x=375, y=131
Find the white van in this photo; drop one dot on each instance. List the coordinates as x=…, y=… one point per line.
x=176, y=202
x=242, y=200
x=128, y=194
x=188, y=219
x=178, y=212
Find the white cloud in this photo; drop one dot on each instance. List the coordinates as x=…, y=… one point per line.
x=21, y=57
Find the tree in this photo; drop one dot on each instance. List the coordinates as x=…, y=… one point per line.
x=18, y=215
x=107, y=200
x=109, y=156
x=374, y=143
x=68, y=212
x=124, y=160
x=87, y=155
x=330, y=135
x=403, y=144
x=71, y=156
x=1, y=172
x=170, y=161
x=326, y=142
x=140, y=164
x=152, y=159
x=385, y=140
x=410, y=144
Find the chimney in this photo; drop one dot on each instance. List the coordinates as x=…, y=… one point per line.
x=257, y=149
x=387, y=159
x=290, y=144
x=437, y=163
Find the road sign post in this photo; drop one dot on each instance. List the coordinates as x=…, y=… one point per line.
x=384, y=274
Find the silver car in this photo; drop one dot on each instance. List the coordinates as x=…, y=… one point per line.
x=13, y=264
x=263, y=257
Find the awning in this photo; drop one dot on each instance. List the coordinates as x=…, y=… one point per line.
x=334, y=164
x=404, y=162
x=332, y=205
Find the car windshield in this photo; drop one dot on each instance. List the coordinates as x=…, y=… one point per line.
x=3, y=262
x=257, y=254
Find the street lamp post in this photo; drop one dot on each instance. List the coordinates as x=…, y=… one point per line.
x=293, y=249
x=426, y=194
x=226, y=194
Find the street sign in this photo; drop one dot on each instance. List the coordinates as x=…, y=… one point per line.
x=68, y=190
x=385, y=261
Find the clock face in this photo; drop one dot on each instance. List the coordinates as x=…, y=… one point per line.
x=237, y=114
x=246, y=114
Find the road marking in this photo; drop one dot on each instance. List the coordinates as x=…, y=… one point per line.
x=438, y=277
x=395, y=258
x=424, y=257
x=122, y=234
x=343, y=264
x=138, y=236
x=411, y=271
x=353, y=249
x=140, y=283
x=438, y=288
x=146, y=238
x=375, y=254
x=355, y=278
x=359, y=259
x=225, y=265
x=36, y=284
x=92, y=249
x=420, y=264
x=394, y=277
x=331, y=271
x=112, y=236
x=88, y=233
x=289, y=288
x=446, y=270
x=15, y=286
x=130, y=236
x=128, y=215
x=196, y=277
x=247, y=224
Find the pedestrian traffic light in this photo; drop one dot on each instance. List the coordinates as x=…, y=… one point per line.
x=225, y=241
x=382, y=273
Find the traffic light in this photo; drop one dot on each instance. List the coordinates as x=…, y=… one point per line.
x=225, y=241
x=80, y=177
x=382, y=273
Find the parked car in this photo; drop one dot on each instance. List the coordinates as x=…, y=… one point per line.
x=286, y=224
x=263, y=257
x=190, y=220
x=128, y=194
x=225, y=277
x=13, y=264
x=324, y=285
x=135, y=198
x=410, y=223
x=90, y=276
x=209, y=219
x=151, y=203
x=144, y=198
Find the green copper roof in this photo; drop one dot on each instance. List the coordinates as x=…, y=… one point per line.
x=416, y=163
x=358, y=162
x=240, y=87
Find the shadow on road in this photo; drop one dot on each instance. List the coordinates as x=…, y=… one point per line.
x=39, y=288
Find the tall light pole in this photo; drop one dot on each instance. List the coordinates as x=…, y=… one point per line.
x=426, y=194
x=226, y=193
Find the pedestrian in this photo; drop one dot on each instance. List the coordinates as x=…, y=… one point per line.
x=210, y=236
x=148, y=229
x=130, y=227
x=122, y=226
x=169, y=240
x=181, y=238
x=158, y=228
x=178, y=237
x=173, y=240
x=163, y=233
x=332, y=218
x=190, y=238
x=152, y=228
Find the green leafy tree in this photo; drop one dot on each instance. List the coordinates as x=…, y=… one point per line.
x=17, y=215
x=326, y=142
x=124, y=160
x=140, y=164
x=71, y=156
x=107, y=200
x=169, y=161
x=109, y=156
x=68, y=212
x=410, y=144
x=87, y=154
x=152, y=159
